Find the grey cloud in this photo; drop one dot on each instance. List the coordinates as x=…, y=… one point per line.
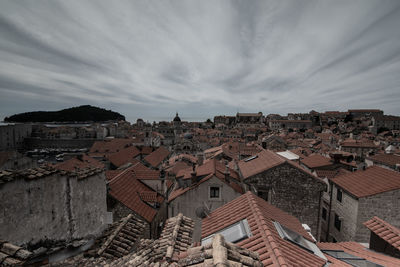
x=201, y=57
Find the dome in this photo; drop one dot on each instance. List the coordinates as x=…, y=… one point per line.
x=177, y=117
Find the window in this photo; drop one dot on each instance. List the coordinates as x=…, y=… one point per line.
x=214, y=192
x=351, y=259
x=233, y=233
x=324, y=212
x=263, y=194
x=338, y=222
x=298, y=239
x=339, y=195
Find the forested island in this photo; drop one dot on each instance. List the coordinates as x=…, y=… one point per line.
x=74, y=114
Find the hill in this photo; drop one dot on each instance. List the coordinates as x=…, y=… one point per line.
x=75, y=114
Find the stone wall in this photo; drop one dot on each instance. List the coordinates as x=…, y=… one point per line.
x=385, y=205
x=194, y=199
x=347, y=210
x=293, y=191
x=52, y=208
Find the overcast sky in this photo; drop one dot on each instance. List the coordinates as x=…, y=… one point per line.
x=150, y=59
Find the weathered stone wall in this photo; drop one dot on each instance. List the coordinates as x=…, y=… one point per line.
x=347, y=210
x=385, y=205
x=293, y=191
x=52, y=208
x=88, y=205
x=196, y=197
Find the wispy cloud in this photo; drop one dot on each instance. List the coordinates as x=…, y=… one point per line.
x=201, y=58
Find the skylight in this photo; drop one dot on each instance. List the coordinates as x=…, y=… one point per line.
x=251, y=158
x=233, y=233
x=351, y=259
x=299, y=240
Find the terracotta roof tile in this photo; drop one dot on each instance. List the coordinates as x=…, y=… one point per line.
x=122, y=237
x=219, y=253
x=79, y=162
x=157, y=156
x=124, y=156
x=315, y=161
x=264, y=160
x=12, y=255
x=372, y=181
x=385, y=231
x=101, y=148
x=359, y=250
x=126, y=188
x=265, y=240
x=386, y=159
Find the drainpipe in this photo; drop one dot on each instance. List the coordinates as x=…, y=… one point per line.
x=329, y=211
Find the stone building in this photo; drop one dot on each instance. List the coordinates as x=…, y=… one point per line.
x=45, y=204
x=360, y=148
x=285, y=185
x=290, y=124
x=249, y=118
x=12, y=135
x=203, y=190
x=358, y=196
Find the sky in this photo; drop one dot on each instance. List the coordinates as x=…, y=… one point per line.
x=150, y=59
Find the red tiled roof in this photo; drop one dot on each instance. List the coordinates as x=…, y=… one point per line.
x=386, y=159
x=357, y=143
x=359, y=250
x=82, y=163
x=265, y=160
x=127, y=189
x=372, y=181
x=146, y=150
x=188, y=157
x=212, y=168
x=315, y=161
x=143, y=173
x=178, y=166
x=330, y=174
x=124, y=156
x=112, y=173
x=157, y=156
x=101, y=148
x=385, y=231
x=265, y=240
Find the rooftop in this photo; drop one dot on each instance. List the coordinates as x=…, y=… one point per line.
x=372, y=181
x=385, y=231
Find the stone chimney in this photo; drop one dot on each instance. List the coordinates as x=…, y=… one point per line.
x=193, y=175
x=200, y=160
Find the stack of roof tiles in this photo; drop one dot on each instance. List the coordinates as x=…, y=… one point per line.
x=385, y=231
x=123, y=237
x=45, y=170
x=11, y=255
x=29, y=174
x=175, y=238
x=219, y=253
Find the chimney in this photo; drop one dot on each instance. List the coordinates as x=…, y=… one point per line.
x=200, y=159
x=193, y=176
x=226, y=172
